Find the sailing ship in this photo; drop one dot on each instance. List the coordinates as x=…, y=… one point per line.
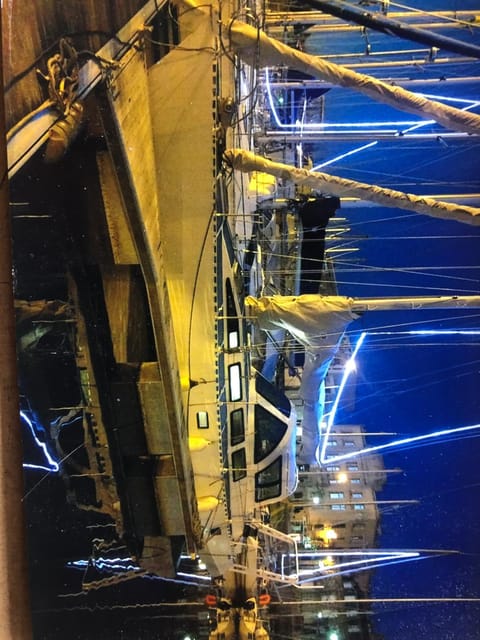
x=180, y=218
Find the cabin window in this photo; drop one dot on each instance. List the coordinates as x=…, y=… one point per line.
x=269, y=431
x=338, y=507
x=357, y=495
x=359, y=507
x=237, y=427
x=332, y=443
x=336, y=495
x=268, y=483
x=202, y=420
x=235, y=382
x=348, y=443
x=233, y=324
x=239, y=465
x=352, y=467
x=355, y=480
x=274, y=396
x=333, y=467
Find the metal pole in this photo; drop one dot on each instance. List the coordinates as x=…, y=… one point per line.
x=15, y=621
x=321, y=505
x=358, y=472
x=421, y=302
x=381, y=23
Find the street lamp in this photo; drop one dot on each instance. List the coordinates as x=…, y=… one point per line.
x=333, y=635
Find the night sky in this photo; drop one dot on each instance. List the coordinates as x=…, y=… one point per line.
x=413, y=386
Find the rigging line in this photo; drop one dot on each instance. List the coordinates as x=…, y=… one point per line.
x=416, y=322
x=355, y=331
x=413, y=271
x=432, y=437
x=467, y=236
x=391, y=388
x=365, y=267
x=360, y=267
x=388, y=346
x=406, y=286
x=409, y=174
x=443, y=159
x=424, y=12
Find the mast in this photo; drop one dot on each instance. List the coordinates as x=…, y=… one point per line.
x=335, y=185
x=382, y=23
x=255, y=46
x=414, y=303
x=15, y=622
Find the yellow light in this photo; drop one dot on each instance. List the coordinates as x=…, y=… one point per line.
x=342, y=478
x=330, y=534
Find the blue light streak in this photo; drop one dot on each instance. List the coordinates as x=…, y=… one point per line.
x=344, y=155
x=367, y=560
x=319, y=126
x=41, y=445
x=471, y=105
x=414, y=440
x=194, y=575
x=429, y=332
x=401, y=442
x=123, y=564
x=433, y=96
x=346, y=572
x=349, y=367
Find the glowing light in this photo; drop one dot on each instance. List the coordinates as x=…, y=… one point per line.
x=367, y=560
x=471, y=104
x=316, y=500
x=322, y=458
x=318, y=126
x=429, y=332
x=433, y=96
x=349, y=367
x=53, y=465
x=342, y=478
x=123, y=564
x=194, y=575
x=344, y=155
x=402, y=442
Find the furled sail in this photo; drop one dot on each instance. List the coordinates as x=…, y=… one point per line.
x=317, y=323
x=334, y=185
x=256, y=48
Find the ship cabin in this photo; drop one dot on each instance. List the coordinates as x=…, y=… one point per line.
x=245, y=427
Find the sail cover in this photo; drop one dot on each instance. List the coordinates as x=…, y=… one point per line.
x=334, y=185
x=318, y=323
x=258, y=49
x=255, y=47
